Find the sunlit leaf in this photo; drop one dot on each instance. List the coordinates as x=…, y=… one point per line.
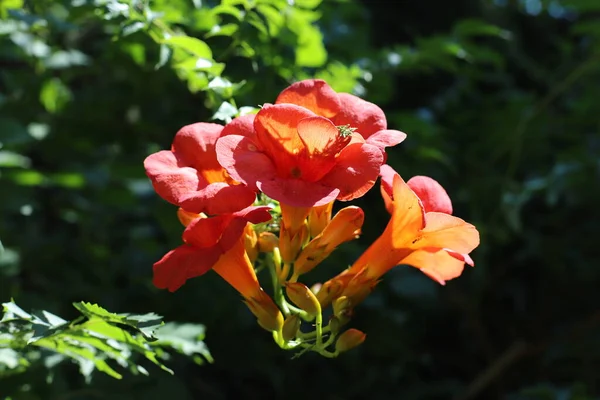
x=192, y=45
x=54, y=95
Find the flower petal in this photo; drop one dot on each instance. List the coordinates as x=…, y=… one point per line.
x=194, y=146
x=237, y=270
x=386, y=138
x=218, y=198
x=171, y=181
x=181, y=264
x=239, y=155
x=355, y=171
x=313, y=94
x=206, y=232
x=361, y=114
x=439, y=266
x=276, y=129
x=297, y=193
x=322, y=141
x=445, y=231
x=243, y=126
x=431, y=193
x=387, y=174
x=408, y=217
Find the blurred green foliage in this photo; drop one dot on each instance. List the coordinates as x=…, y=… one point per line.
x=498, y=97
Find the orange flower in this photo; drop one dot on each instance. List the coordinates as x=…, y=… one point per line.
x=435, y=242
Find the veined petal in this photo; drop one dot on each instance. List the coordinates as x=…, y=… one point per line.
x=361, y=114
x=431, y=193
x=439, y=266
x=243, y=161
x=445, y=231
x=313, y=94
x=277, y=133
x=194, y=146
x=181, y=264
x=322, y=141
x=355, y=171
x=297, y=193
x=206, y=232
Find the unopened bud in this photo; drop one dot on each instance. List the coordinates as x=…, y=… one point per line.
x=342, y=308
x=302, y=297
x=267, y=241
x=329, y=291
x=334, y=325
x=291, y=242
x=318, y=218
x=264, y=309
x=291, y=325
x=349, y=340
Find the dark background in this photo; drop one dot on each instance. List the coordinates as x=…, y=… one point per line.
x=500, y=101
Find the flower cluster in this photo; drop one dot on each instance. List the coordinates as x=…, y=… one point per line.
x=259, y=192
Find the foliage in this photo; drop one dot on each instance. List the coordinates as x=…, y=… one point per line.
x=499, y=103
x=92, y=340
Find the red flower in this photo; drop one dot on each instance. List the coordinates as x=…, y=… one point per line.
x=298, y=157
x=190, y=176
x=207, y=241
x=343, y=109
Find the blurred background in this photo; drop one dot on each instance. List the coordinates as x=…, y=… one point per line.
x=501, y=103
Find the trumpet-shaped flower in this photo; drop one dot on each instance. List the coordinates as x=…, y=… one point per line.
x=435, y=242
x=297, y=157
x=190, y=176
x=343, y=109
x=207, y=241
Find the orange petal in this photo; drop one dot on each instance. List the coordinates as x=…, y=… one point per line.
x=449, y=232
x=432, y=194
x=408, y=217
x=314, y=94
x=439, y=266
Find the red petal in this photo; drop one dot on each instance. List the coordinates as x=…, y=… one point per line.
x=387, y=174
x=243, y=126
x=298, y=193
x=218, y=198
x=431, y=193
x=172, y=182
x=181, y=264
x=194, y=146
x=313, y=94
x=355, y=171
x=386, y=138
x=243, y=161
x=206, y=232
x=358, y=113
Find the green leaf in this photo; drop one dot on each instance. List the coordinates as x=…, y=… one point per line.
x=311, y=51
x=474, y=27
x=54, y=95
x=190, y=44
x=226, y=112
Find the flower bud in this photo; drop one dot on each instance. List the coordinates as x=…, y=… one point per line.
x=349, y=340
x=318, y=218
x=342, y=308
x=291, y=325
x=291, y=242
x=264, y=309
x=302, y=297
x=329, y=291
x=334, y=325
x=267, y=241
x=343, y=227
